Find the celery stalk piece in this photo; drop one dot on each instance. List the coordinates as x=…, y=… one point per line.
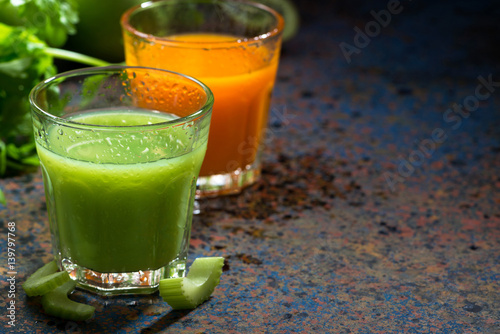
x=45, y=279
x=57, y=304
x=190, y=291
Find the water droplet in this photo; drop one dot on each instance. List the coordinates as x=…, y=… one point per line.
x=60, y=131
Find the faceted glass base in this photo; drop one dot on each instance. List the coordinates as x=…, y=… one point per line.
x=109, y=284
x=227, y=184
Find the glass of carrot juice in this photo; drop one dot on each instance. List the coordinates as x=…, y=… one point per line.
x=231, y=46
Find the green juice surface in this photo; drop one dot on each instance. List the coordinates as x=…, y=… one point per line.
x=115, y=202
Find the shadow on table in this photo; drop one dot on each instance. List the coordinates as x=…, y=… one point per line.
x=112, y=315
x=128, y=311
x=166, y=321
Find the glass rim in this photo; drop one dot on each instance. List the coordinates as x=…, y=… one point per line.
x=127, y=27
x=199, y=113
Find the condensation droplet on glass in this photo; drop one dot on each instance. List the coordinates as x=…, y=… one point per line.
x=180, y=143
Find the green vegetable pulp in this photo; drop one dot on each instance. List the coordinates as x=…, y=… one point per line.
x=111, y=208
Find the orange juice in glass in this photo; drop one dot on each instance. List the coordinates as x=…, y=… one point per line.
x=231, y=46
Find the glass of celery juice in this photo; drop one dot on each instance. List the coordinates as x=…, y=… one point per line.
x=233, y=47
x=121, y=148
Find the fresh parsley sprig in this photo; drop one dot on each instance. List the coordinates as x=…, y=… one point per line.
x=30, y=32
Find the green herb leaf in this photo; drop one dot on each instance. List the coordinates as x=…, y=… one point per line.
x=23, y=63
x=31, y=160
x=13, y=151
x=21, y=157
x=27, y=29
x=3, y=200
x=3, y=158
x=51, y=20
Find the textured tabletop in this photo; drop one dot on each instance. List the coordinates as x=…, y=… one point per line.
x=378, y=210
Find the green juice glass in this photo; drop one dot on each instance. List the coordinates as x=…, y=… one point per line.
x=121, y=148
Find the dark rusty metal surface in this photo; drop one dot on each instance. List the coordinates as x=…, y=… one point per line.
x=378, y=210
